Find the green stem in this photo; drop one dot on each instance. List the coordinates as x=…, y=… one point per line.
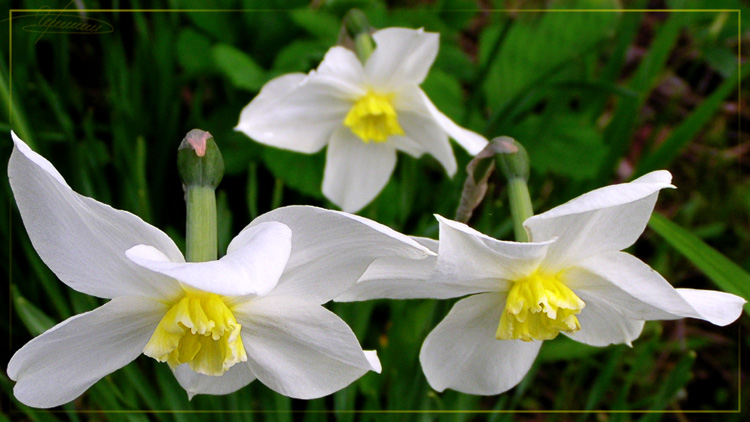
x=520, y=206
x=201, y=240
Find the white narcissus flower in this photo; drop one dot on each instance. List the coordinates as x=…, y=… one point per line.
x=254, y=313
x=364, y=113
x=571, y=277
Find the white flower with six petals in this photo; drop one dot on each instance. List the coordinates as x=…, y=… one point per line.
x=364, y=113
x=571, y=277
x=254, y=313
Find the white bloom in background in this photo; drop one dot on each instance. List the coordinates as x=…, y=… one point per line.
x=571, y=277
x=254, y=313
x=364, y=113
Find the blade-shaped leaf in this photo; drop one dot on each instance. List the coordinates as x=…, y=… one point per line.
x=720, y=269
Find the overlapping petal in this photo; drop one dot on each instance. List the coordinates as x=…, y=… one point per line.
x=413, y=99
x=60, y=364
x=603, y=324
x=603, y=220
x=80, y=239
x=635, y=290
x=480, y=262
x=299, y=349
x=331, y=250
x=462, y=353
x=425, y=135
x=252, y=269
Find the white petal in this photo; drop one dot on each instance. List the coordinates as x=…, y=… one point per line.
x=479, y=262
x=253, y=268
x=414, y=99
x=297, y=113
x=355, y=171
x=342, y=64
x=463, y=354
x=603, y=324
x=401, y=57
x=194, y=383
x=716, y=307
x=606, y=219
x=425, y=133
x=639, y=292
x=67, y=359
x=331, y=250
x=82, y=240
x=299, y=349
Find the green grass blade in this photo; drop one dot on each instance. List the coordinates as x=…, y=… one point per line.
x=619, y=132
x=685, y=132
x=679, y=376
x=32, y=317
x=720, y=269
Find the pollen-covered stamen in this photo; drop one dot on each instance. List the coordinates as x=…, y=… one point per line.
x=373, y=118
x=538, y=307
x=199, y=330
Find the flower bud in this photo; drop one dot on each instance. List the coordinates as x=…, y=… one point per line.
x=358, y=28
x=512, y=158
x=199, y=160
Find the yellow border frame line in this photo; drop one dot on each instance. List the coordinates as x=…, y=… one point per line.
x=406, y=411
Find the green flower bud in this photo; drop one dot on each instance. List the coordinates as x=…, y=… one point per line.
x=358, y=28
x=199, y=160
x=512, y=158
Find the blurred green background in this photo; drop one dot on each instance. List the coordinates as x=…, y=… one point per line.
x=596, y=97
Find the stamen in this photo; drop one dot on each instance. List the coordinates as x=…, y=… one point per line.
x=199, y=330
x=538, y=308
x=373, y=118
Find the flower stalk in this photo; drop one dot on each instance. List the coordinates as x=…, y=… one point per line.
x=513, y=161
x=201, y=168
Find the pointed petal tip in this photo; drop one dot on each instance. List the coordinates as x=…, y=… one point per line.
x=373, y=360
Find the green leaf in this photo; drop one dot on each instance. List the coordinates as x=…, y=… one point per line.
x=241, y=69
x=194, y=51
x=32, y=317
x=568, y=145
x=322, y=25
x=524, y=61
x=299, y=56
x=720, y=269
x=299, y=171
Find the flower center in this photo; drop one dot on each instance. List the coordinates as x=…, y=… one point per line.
x=373, y=118
x=538, y=308
x=199, y=330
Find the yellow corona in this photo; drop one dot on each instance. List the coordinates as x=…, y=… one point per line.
x=199, y=330
x=538, y=307
x=373, y=118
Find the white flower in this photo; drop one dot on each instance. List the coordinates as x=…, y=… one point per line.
x=254, y=313
x=363, y=113
x=571, y=278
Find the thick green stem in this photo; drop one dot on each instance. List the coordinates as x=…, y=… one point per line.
x=514, y=164
x=520, y=206
x=201, y=168
x=201, y=240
